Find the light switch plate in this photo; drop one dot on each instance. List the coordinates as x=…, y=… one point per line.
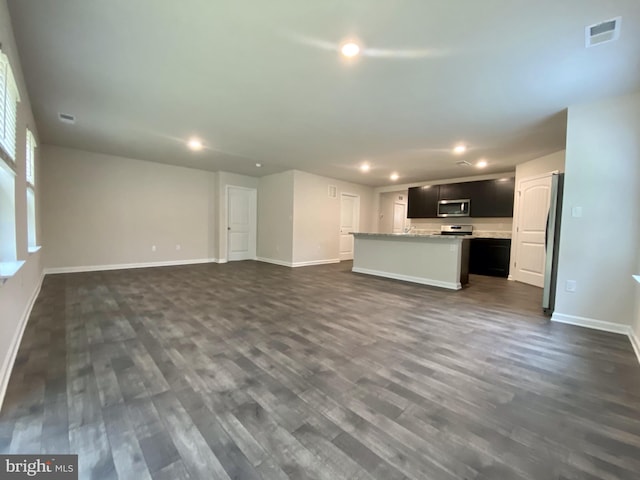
x=570, y=286
x=576, y=212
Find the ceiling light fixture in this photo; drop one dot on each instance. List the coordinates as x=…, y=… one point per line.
x=350, y=49
x=195, y=144
x=459, y=149
x=394, y=176
x=365, y=167
x=258, y=165
x=482, y=164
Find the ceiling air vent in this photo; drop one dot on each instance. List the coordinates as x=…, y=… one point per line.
x=603, y=32
x=463, y=163
x=66, y=118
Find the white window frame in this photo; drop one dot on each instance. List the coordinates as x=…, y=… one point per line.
x=30, y=165
x=9, y=98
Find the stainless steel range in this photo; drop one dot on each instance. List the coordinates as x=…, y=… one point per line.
x=456, y=229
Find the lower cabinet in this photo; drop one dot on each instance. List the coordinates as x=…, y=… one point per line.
x=490, y=256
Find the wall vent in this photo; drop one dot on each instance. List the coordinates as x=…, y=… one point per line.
x=67, y=118
x=333, y=191
x=463, y=163
x=602, y=32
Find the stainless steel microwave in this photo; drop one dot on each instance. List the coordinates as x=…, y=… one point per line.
x=454, y=208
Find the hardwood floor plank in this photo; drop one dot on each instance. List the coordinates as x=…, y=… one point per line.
x=253, y=371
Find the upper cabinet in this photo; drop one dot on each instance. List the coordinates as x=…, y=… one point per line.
x=423, y=202
x=489, y=198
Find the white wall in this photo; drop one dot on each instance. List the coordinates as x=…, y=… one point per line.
x=539, y=166
x=18, y=292
x=275, y=218
x=316, y=217
x=600, y=249
x=225, y=179
x=105, y=210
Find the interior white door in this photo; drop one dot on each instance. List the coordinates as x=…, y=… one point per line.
x=349, y=221
x=399, y=217
x=241, y=223
x=534, y=195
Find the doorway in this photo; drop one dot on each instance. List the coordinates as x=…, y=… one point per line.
x=399, y=217
x=532, y=207
x=349, y=222
x=241, y=223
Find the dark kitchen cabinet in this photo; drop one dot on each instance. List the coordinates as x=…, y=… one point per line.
x=489, y=198
x=423, y=202
x=490, y=256
x=493, y=198
x=456, y=191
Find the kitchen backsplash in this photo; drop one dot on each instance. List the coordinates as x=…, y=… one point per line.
x=486, y=225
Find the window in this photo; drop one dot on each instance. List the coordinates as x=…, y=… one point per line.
x=8, y=114
x=31, y=190
x=9, y=99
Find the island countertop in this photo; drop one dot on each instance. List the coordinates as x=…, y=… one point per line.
x=412, y=235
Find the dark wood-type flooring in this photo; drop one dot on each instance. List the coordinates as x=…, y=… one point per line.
x=253, y=371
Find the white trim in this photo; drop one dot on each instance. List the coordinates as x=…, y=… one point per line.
x=125, y=266
x=408, y=278
x=221, y=260
x=315, y=262
x=9, y=360
x=34, y=249
x=635, y=343
x=284, y=263
x=591, y=323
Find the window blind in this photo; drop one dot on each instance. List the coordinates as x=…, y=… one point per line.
x=9, y=98
x=31, y=158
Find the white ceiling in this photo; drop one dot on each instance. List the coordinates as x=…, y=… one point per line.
x=261, y=81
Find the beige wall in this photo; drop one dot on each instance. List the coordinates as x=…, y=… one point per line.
x=105, y=210
x=17, y=292
x=316, y=217
x=600, y=249
x=539, y=166
x=225, y=179
x=275, y=218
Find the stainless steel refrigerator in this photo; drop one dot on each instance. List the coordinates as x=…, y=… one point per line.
x=552, y=243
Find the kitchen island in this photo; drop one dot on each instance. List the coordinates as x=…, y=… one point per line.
x=437, y=260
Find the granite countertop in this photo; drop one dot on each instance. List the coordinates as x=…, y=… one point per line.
x=436, y=234
x=414, y=235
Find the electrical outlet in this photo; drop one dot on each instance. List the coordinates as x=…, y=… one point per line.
x=153, y=248
x=570, y=286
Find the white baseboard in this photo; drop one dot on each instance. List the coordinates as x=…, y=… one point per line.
x=316, y=262
x=125, y=266
x=591, y=323
x=9, y=360
x=408, y=278
x=284, y=263
x=635, y=343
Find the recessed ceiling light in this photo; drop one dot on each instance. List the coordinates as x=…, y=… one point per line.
x=365, y=167
x=482, y=164
x=258, y=165
x=195, y=144
x=459, y=149
x=394, y=176
x=350, y=49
